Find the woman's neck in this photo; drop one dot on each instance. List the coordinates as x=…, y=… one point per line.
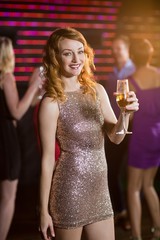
x=71, y=84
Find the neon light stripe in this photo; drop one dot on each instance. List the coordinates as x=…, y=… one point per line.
x=58, y=24
x=34, y=33
x=29, y=60
x=21, y=78
x=59, y=16
x=28, y=51
x=24, y=69
x=60, y=8
x=47, y=33
x=78, y=2
x=31, y=42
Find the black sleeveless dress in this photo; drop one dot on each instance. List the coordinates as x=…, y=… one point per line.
x=9, y=144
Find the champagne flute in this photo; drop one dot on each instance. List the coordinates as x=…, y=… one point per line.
x=41, y=90
x=121, y=99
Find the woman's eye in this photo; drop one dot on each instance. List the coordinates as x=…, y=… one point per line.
x=67, y=54
x=81, y=52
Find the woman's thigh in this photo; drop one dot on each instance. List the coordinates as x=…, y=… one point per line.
x=68, y=234
x=8, y=189
x=149, y=176
x=103, y=230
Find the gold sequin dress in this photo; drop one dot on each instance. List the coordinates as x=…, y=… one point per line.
x=79, y=192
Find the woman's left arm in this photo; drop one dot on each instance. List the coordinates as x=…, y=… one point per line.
x=112, y=125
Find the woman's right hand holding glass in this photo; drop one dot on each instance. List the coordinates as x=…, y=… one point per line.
x=46, y=227
x=122, y=94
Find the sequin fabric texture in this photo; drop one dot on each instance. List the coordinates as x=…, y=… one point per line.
x=79, y=191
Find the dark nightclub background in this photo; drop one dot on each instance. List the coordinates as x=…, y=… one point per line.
x=29, y=23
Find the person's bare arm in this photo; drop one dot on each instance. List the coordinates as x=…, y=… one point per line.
x=48, y=115
x=112, y=125
x=17, y=107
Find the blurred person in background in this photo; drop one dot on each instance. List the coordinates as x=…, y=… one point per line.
x=123, y=68
x=144, y=147
x=26, y=128
x=11, y=110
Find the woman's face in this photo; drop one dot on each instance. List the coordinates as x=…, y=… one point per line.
x=71, y=57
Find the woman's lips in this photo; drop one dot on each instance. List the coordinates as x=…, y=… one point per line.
x=75, y=66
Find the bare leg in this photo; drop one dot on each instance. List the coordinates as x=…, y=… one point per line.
x=152, y=197
x=68, y=234
x=135, y=178
x=7, y=205
x=103, y=230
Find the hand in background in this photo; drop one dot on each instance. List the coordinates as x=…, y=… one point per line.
x=37, y=79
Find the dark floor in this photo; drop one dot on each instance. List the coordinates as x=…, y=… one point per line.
x=25, y=223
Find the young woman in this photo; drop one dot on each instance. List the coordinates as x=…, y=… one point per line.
x=11, y=109
x=144, y=149
x=74, y=190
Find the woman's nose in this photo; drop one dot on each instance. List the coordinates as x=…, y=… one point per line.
x=75, y=57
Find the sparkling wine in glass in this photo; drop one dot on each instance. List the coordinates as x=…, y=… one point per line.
x=121, y=99
x=41, y=90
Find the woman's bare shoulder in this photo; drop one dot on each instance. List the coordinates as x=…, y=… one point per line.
x=101, y=92
x=48, y=111
x=48, y=103
x=100, y=89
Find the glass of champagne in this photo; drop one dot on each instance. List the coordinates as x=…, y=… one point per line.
x=121, y=99
x=41, y=90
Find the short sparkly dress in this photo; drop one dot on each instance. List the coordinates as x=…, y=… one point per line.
x=79, y=191
x=10, y=160
x=144, y=147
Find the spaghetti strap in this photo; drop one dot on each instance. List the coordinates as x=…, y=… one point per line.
x=133, y=82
